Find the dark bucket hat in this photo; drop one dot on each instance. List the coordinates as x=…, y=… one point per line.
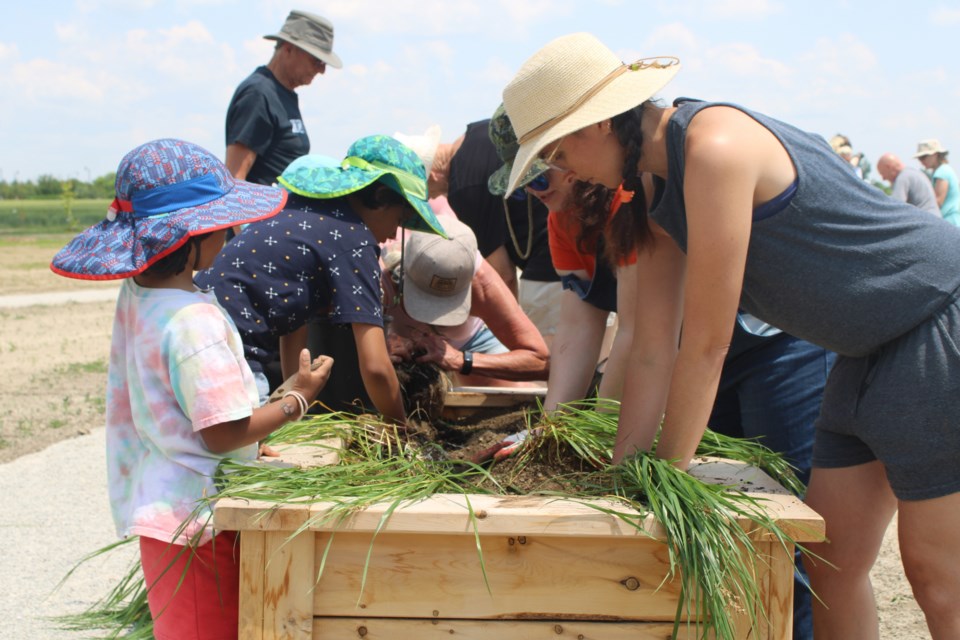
x=368, y=160
x=505, y=140
x=167, y=191
x=311, y=33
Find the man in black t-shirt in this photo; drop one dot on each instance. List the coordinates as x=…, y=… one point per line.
x=264, y=128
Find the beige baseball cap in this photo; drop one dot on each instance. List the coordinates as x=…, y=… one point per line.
x=437, y=273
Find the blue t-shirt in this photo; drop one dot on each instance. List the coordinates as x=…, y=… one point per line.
x=315, y=258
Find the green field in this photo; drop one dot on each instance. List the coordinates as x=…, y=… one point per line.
x=49, y=216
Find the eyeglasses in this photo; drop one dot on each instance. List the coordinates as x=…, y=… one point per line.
x=540, y=183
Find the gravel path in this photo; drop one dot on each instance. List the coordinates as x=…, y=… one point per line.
x=53, y=511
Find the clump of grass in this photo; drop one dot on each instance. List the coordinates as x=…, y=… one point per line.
x=121, y=613
x=708, y=548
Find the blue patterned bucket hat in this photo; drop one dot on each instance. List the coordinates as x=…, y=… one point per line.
x=368, y=159
x=167, y=190
x=505, y=140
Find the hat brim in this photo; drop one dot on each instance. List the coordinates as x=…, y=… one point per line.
x=327, y=57
x=336, y=182
x=497, y=183
x=128, y=246
x=626, y=91
x=426, y=307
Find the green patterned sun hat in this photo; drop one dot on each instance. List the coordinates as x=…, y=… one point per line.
x=368, y=160
x=505, y=140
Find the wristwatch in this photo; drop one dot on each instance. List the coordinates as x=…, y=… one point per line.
x=467, y=363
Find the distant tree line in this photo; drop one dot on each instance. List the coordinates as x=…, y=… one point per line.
x=48, y=186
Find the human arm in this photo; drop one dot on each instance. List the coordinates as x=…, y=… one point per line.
x=611, y=385
x=229, y=436
x=239, y=160
x=940, y=189
x=501, y=263
x=377, y=371
x=291, y=345
x=528, y=357
x=575, y=350
x=732, y=164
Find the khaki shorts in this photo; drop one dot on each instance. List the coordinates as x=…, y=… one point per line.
x=541, y=302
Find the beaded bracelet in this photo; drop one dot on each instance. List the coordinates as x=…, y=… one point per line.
x=301, y=401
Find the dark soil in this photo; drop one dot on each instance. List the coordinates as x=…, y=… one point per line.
x=535, y=467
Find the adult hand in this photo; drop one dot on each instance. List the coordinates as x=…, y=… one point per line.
x=435, y=349
x=400, y=348
x=505, y=448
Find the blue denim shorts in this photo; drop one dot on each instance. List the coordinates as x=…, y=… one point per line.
x=899, y=405
x=483, y=341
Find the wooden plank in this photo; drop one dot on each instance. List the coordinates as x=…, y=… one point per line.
x=252, y=563
x=521, y=515
x=288, y=578
x=441, y=576
x=307, y=454
x=406, y=629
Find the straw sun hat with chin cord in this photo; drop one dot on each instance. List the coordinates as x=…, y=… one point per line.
x=572, y=82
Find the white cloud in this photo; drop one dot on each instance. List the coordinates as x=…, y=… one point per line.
x=40, y=80
x=8, y=52
x=840, y=57
x=753, y=10
x=945, y=16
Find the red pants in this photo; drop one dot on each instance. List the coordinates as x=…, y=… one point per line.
x=193, y=593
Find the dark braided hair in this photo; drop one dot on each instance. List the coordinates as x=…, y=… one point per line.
x=628, y=228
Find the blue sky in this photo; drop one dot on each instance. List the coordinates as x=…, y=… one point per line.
x=84, y=81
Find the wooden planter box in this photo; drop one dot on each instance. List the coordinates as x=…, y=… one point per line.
x=556, y=569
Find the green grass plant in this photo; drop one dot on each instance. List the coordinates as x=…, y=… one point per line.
x=50, y=215
x=709, y=551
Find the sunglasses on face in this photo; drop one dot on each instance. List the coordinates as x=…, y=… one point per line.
x=540, y=183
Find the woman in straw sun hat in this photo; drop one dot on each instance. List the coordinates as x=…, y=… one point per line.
x=754, y=214
x=180, y=396
x=933, y=157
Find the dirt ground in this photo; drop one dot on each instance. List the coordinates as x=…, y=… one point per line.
x=54, y=360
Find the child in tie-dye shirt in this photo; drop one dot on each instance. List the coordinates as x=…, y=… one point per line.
x=180, y=395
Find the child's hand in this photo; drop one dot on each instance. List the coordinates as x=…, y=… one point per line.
x=311, y=377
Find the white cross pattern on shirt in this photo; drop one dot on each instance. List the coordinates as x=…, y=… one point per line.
x=270, y=267
x=303, y=249
x=303, y=276
x=238, y=242
x=336, y=234
x=270, y=241
x=270, y=293
x=299, y=291
x=357, y=253
x=239, y=287
x=246, y=313
x=357, y=290
x=272, y=223
x=335, y=272
x=305, y=225
x=237, y=263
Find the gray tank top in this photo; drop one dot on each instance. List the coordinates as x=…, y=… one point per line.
x=843, y=265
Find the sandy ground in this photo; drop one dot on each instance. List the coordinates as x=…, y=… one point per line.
x=54, y=357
